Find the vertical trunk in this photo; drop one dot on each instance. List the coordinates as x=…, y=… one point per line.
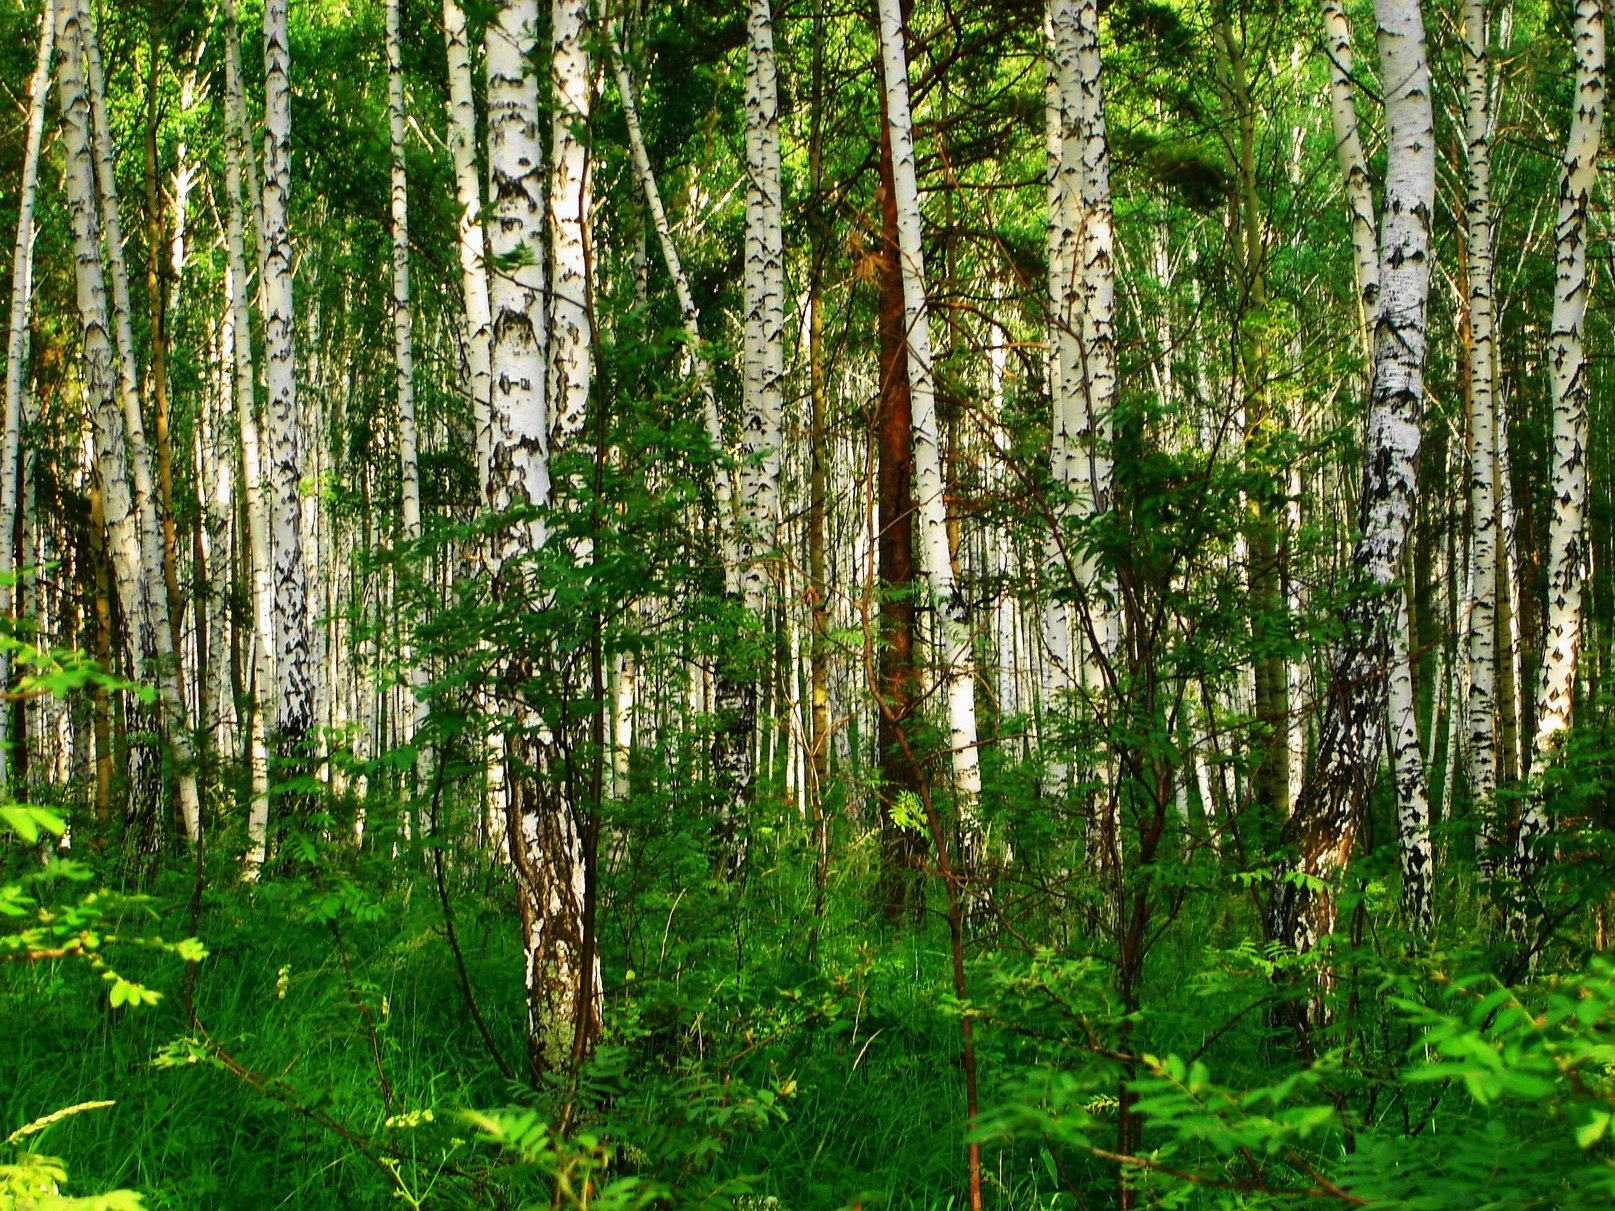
x=1063, y=366
x=571, y=311
x=136, y=531
x=22, y=290
x=1325, y=822
x=953, y=622
x=819, y=455
x=1480, y=613
x=569, y=838
x=468, y=194
x=409, y=471
x=545, y=841
x=283, y=470
x=1408, y=771
x=764, y=306
x=261, y=589
x=898, y=688
x=1566, y=555
x=157, y=320
x=1263, y=529
x=1408, y=767
x=1353, y=163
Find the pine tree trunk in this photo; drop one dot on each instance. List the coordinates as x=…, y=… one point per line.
x=952, y=609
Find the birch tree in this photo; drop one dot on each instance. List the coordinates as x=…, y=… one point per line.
x=545, y=841
x=953, y=620
x=22, y=290
x=1480, y=614
x=261, y=595
x=146, y=583
x=404, y=352
x=1323, y=827
x=1567, y=366
x=462, y=139
x=284, y=455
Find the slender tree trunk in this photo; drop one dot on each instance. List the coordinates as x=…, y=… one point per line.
x=81, y=58
x=898, y=677
x=1324, y=825
x=409, y=471
x=728, y=521
x=22, y=290
x=764, y=336
x=261, y=595
x=468, y=193
x=545, y=841
x=1567, y=552
x=284, y=461
x=1480, y=613
x=952, y=609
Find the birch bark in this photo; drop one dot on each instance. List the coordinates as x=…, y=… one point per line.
x=22, y=290
x=1324, y=825
x=764, y=329
x=545, y=843
x=409, y=470
x=1567, y=554
x=952, y=610
x=253, y=478
x=1407, y=761
x=82, y=60
x=1480, y=613
x=468, y=193
x=284, y=461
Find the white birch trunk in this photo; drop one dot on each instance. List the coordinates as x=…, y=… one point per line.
x=468, y=193
x=1323, y=827
x=261, y=597
x=764, y=307
x=80, y=59
x=1480, y=613
x=22, y=290
x=953, y=623
x=284, y=462
x=1567, y=554
x=409, y=470
x=1408, y=771
x=571, y=313
x=690, y=317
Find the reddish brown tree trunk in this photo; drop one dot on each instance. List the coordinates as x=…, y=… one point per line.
x=894, y=426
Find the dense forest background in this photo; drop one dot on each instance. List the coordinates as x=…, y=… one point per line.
x=805, y=606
